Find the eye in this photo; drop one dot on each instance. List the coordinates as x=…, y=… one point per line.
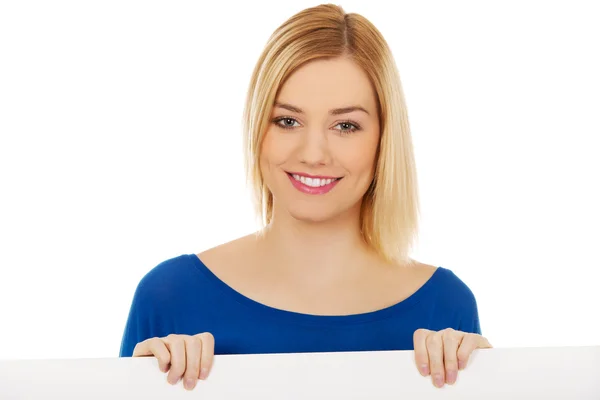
x=348, y=127
x=288, y=122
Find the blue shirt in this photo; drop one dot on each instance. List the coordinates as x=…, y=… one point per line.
x=182, y=296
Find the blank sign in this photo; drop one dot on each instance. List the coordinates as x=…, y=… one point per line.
x=510, y=373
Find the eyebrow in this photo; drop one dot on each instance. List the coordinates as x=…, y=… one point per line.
x=335, y=111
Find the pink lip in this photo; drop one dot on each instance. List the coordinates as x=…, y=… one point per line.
x=313, y=190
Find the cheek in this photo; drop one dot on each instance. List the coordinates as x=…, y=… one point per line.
x=271, y=155
x=360, y=159
x=275, y=151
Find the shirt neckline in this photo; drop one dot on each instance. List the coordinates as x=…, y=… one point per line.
x=313, y=319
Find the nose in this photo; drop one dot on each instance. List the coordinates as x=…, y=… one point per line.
x=314, y=148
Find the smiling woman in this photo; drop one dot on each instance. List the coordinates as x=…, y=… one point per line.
x=342, y=66
x=329, y=156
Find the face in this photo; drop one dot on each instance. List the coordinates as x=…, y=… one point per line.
x=318, y=154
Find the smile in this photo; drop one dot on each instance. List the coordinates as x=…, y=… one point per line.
x=313, y=185
x=313, y=182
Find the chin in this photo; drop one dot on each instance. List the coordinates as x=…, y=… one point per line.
x=306, y=213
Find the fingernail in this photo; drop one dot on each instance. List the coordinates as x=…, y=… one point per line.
x=438, y=381
x=451, y=377
x=203, y=373
x=173, y=380
x=188, y=383
x=461, y=364
x=424, y=369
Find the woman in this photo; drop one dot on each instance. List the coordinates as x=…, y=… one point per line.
x=330, y=157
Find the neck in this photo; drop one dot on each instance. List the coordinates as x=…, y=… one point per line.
x=328, y=247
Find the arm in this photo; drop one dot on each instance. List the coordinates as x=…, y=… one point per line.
x=469, y=320
x=143, y=319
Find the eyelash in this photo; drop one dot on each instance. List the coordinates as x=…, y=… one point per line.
x=355, y=126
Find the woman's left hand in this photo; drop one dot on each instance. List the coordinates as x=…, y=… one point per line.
x=443, y=353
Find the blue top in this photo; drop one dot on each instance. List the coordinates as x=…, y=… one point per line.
x=182, y=296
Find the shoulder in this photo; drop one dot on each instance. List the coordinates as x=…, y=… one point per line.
x=463, y=304
x=450, y=300
x=157, y=294
x=446, y=289
x=457, y=299
x=452, y=286
x=159, y=286
x=184, y=272
x=178, y=271
x=167, y=273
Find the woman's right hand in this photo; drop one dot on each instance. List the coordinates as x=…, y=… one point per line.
x=190, y=357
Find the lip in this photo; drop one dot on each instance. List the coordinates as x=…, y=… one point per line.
x=313, y=190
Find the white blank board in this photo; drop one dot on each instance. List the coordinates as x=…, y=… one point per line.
x=516, y=373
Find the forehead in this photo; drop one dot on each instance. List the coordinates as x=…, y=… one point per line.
x=321, y=85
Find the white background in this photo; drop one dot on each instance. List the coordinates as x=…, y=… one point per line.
x=120, y=147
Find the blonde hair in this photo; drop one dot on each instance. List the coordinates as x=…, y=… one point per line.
x=390, y=208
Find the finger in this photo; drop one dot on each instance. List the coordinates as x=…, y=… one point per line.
x=452, y=340
x=469, y=343
x=435, y=350
x=193, y=349
x=420, y=346
x=154, y=347
x=207, y=354
x=176, y=347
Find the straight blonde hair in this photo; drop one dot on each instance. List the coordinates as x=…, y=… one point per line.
x=390, y=207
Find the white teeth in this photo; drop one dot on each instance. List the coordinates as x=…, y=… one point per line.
x=312, y=182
